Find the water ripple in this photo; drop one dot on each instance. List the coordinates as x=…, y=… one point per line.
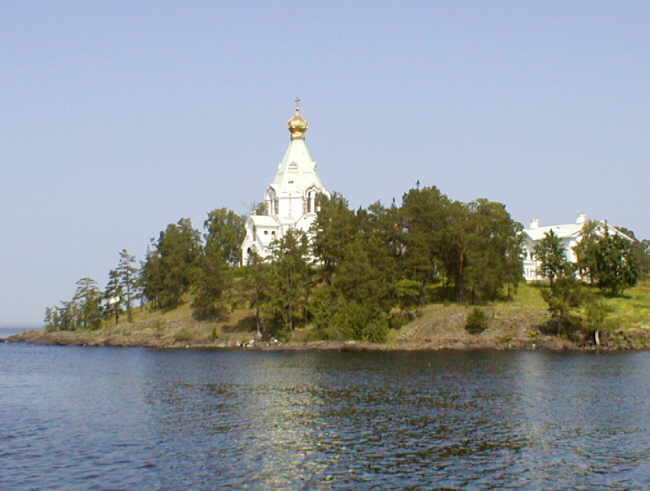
x=136, y=418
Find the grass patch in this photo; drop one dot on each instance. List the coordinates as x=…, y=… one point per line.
x=183, y=336
x=632, y=310
x=528, y=297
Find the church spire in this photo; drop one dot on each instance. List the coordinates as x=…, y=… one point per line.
x=298, y=125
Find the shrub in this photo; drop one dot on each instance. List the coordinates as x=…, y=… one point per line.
x=596, y=313
x=408, y=293
x=566, y=294
x=376, y=331
x=337, y=318
x=399, y=319
x=477, y=321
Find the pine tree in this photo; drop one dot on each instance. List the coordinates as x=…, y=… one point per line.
x=212, y=278
x=87, y=300
x=127, y=274
x=170, y=268
x=425, y=220
x=113, y=295
x=332, y=229
x=290, y=281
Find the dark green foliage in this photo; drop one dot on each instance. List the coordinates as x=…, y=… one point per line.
x=425, y=221
x=211, y=280
x=363, y=264
x=359, y=270
x=171, y=265
x=564, y=298
x=551, y=255
x=644, y=256
x=491, y=243
x=477, y=321
x=84, y=311
x=338, y=318
x=113, y=294
x=475, y=247
x=585, y=251
x=225, y=233
x=289, y=282
x=640, y=249
x=607, y=260
x=576, y=312
x=596, y=313
x=409, y=294
x=256, y=281
x=128, y=279
x=335, y=224
x=616, y=266
x=364, y=274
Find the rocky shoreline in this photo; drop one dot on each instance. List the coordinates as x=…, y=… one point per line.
x=552, y=343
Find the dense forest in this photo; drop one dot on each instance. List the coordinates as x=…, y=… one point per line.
x=356, y=274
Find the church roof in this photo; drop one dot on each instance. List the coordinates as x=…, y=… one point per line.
x=562, y=231
x=264, y=221
x=297, y=170
x=535, y=232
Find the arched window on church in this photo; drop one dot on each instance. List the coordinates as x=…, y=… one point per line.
x=271, y=200
x=310, y=200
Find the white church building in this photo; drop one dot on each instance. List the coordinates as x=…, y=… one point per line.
x=290, y=199
x=570, y=235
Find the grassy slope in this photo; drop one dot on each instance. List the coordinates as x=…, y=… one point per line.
x=512, y=324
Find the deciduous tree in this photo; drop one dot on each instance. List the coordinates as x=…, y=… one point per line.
x=224, y=233
x=550, y=253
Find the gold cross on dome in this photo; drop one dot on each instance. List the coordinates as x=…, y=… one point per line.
x=298, y=101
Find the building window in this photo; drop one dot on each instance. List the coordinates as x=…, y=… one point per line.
x=310, y=201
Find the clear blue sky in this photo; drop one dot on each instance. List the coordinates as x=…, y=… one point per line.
x=118, y=117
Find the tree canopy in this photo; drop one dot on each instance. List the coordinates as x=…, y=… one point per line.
x=354, y=272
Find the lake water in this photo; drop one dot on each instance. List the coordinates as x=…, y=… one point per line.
x=73, y=417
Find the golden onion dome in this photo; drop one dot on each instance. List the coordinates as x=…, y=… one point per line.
x=298, y=125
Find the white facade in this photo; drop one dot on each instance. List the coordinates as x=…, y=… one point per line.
x=290, y=199
x=570, y=235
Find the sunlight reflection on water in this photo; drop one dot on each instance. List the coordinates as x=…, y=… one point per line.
x=129, y=417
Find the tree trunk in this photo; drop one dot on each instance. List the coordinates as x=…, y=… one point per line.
x=258, y=322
